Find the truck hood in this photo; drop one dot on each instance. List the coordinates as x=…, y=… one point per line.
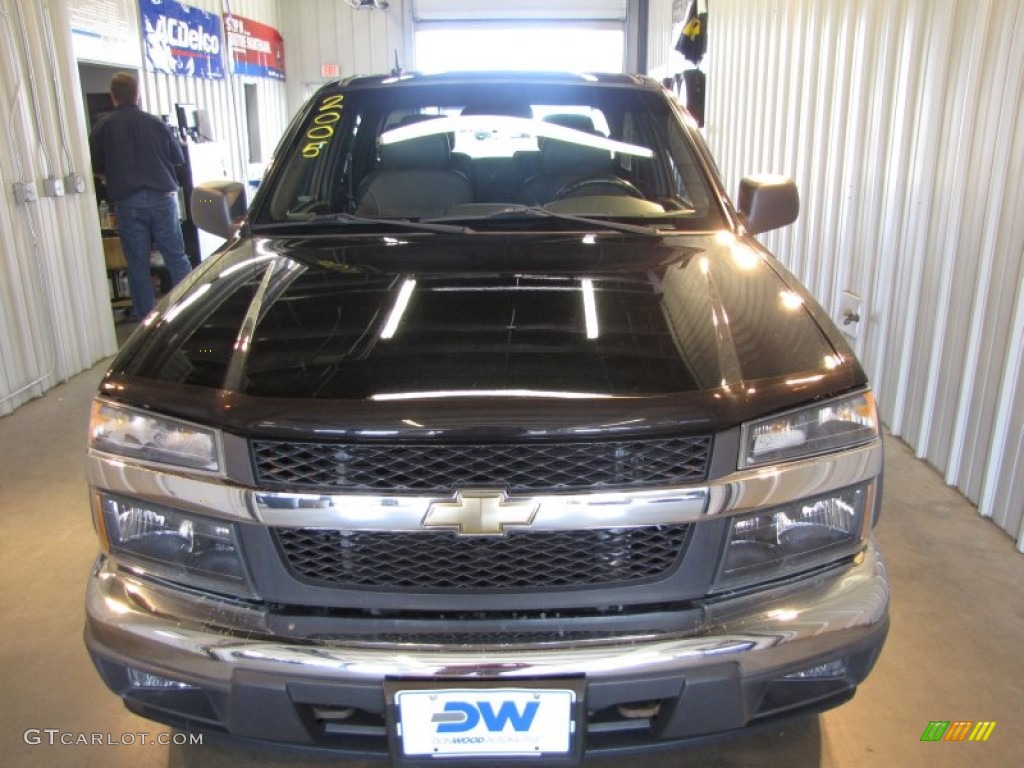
x=534, y=323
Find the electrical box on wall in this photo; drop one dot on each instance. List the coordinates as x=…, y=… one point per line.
x=74, y=182
x=25, y=192
x=849, y=314
x=53, y=186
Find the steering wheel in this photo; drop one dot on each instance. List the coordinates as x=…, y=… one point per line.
x=621, y=186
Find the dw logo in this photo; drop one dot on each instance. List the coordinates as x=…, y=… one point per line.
x=462, y=716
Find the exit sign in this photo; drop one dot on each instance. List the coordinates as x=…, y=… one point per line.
x=329, y=70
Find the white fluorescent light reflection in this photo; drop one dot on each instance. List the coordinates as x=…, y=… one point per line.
x=514, y=125
x=395, y=319
x=489, y=393
x=181, y=306
x=804, y=380
x=590, y=309
x=790, y=300
x=246, y=263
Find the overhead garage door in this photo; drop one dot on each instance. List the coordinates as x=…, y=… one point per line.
x=568, y=35
x=522, y=10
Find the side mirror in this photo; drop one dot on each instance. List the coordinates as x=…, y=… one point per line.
x=218, y=207
x=768, y=202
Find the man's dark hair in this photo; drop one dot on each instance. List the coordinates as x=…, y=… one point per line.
x=124, y=87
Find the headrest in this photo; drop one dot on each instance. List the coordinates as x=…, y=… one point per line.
x=413, y=119
x=431, y=152
x=498, y=108
x=423, y=153
x=576, y=122
x=558, y=157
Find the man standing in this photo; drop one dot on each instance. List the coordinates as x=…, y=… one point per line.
x=136, y=153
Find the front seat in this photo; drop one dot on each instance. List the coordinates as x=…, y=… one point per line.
x=563, y=163
x=416, y=180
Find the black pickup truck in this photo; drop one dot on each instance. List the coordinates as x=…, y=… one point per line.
x=490, y=434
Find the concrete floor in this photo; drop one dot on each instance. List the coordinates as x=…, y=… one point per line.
x=955, y=650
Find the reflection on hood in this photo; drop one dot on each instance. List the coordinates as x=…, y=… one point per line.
x=465, y=317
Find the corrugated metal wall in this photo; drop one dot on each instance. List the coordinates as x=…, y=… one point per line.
x=331, y=32
x=55, y=315
x=662, y=61
x=902, y=124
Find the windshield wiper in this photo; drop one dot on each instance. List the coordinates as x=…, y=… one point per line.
x=511, y=211
x=351, y=218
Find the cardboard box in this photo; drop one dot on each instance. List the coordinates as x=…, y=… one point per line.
x=112, y=253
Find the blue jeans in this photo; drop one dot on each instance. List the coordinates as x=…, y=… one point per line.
x=144, y=219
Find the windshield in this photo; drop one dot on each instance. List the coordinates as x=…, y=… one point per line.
x=495, y=151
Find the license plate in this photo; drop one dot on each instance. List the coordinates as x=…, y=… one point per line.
x=478, y=721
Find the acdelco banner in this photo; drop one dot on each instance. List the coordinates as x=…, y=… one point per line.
x=255, y=49
x=180, y=39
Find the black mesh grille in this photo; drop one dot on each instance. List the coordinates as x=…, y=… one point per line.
x=517, y=467
x=445, y=561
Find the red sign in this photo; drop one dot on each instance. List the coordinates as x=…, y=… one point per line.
x=255, y=49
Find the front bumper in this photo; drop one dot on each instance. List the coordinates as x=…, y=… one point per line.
x=755, y=659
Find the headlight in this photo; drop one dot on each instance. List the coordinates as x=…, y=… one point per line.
x=822, y=428
x=772, y=543
x=178, y=546
x=142, y=435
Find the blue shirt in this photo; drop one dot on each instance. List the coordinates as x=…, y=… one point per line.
x=134, y=150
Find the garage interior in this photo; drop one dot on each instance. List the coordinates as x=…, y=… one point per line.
x=903, y=125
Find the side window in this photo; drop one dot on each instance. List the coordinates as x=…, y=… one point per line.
x=690, y=191
x=630, y=135
x=642, y=172
x=292, y=192
x=312, y=183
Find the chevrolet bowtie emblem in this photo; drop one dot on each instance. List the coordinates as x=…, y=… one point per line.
x=481, y=512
